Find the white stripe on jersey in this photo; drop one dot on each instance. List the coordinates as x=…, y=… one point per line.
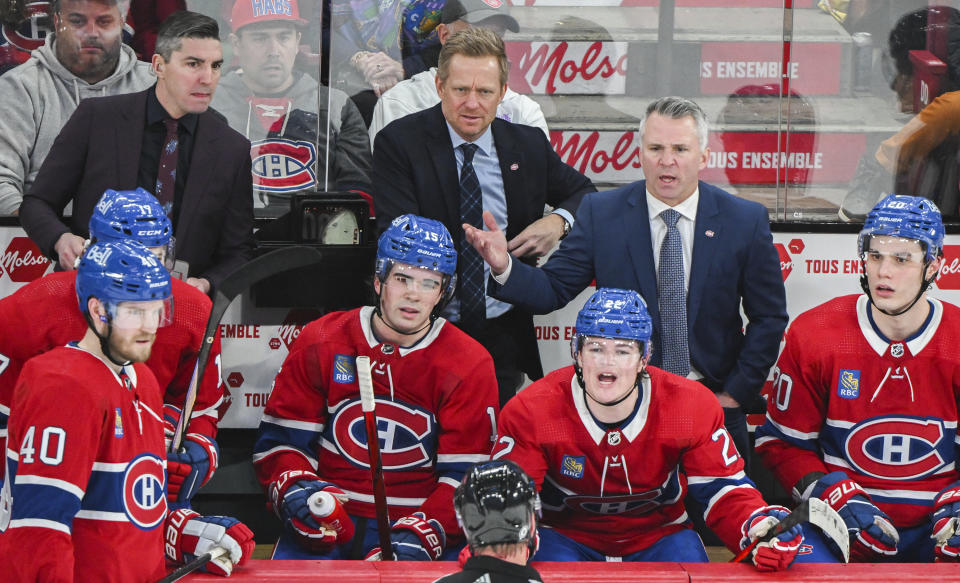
x=908, y=494
x=452, y=458
x=707, y=479
x=368, y=498
x=449, y=482
x=211, y=410
x=839, y=424
x=39, y=523
x=3, y=433
x=52, y=482
x=837, y=461
x=4, y=409
x=763, y=440
x=723, y=492
x=286, y=448
x=292, y=424
x=105, y=516
x=109, y=467
x=793, y=432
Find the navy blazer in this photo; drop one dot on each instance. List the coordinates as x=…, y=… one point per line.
x=415, y=171
x=99, y=148
x=733, y=259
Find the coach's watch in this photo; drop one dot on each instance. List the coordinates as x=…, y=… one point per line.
x=566, y=227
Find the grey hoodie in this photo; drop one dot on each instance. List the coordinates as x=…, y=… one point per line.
x=37, y=98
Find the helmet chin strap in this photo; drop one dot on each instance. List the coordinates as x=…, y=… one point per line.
x=379, y=314
x=617, y=401
x=924, y=285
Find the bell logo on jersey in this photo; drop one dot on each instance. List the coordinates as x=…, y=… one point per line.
x=572, y=466
x=343, y=369
x=406, y=433
x=848, y=384
x=283, y=165
x=897, y=448
x=144, y=500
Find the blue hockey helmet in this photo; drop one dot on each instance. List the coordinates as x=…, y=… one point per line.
x=614, y=313
x=908, y=217
x=123, y=215
x=420, y=242
x=115, y=272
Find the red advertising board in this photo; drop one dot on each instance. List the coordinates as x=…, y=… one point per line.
x=568, y=67
x=725, y=67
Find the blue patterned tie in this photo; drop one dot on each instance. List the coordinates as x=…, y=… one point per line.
x=673, y=299
x=473, y=307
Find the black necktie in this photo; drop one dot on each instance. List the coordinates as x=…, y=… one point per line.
x=471, y=289
x=167, y=172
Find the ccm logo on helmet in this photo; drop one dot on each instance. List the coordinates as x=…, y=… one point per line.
x=896, y=448
x=406, y=433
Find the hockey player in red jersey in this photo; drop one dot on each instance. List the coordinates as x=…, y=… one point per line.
x=867, y=419
x=43, y=315
x=436, y=404
x=614, y=444
x=85, y=462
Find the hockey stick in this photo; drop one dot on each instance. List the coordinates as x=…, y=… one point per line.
x=193, y=565
x=240, y=279
x=816, y=512
x=368, y=405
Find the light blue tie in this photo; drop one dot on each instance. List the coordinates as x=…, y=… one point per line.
x=672, y=294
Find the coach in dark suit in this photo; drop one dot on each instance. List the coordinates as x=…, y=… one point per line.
x=622, y=239
x=118, y=142
x=441, y=162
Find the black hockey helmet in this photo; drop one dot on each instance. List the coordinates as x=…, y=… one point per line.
x=498, y=503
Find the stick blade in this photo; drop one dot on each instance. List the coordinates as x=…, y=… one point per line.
x=366, y=383
x=824, y=517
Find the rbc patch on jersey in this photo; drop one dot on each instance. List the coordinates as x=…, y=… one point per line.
x=848, y=385
x=572, y=466
x=344, y=371
x=118, y=424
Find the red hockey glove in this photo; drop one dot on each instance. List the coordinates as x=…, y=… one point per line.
x=946, y=520
x=188, y=535
x=778, y=553
x=192, y=467
x=312, y=510
x=872, y=535
x=414, y=538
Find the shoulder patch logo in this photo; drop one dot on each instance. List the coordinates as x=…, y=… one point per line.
x=848, y=385
x=572, y=466
x=344, y=371
x=118, y=424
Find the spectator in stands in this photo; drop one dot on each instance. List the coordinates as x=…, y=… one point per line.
x=164, y=140
x=83, y=58
x=284, y=112
x=508, y=169
x=419, y=92
x=695, y=252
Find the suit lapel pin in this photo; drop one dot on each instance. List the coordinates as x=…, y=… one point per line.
x=708, y=233
x=514, y=167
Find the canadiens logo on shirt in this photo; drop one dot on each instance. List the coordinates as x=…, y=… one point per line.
x=848, y=385
x=118, y=424
x=280, y=165
x=572, y=466
x=343, y=369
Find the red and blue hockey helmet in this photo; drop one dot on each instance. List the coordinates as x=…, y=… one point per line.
x=132, y=215
x=614, y=313
x=497, y=503
x=907, y=217
x=116, y=272
x=420, y=242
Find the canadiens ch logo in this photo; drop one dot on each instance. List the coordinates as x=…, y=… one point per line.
x=281, y=165
x=848, y=385
x=896, y=448
x=144, y=499
x=406, y=434
x=572, y=466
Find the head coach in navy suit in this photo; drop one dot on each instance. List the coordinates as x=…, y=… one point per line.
x=694, y=252
x=456, y=160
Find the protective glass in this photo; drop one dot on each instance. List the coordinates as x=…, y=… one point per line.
x=896, y=251
x=148, y=315
x=415, y=279
x=610, y=351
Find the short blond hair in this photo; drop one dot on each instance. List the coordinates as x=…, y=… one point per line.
x=474, y=42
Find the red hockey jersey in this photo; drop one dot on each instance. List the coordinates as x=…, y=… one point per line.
x=885, y=412
x=84, y=499
x=620, y=490
x=436, y=405
x=44, y=314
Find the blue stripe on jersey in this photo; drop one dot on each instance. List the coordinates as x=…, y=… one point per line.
x=38, y=501
x=903, y=497
x=453, y=470
x=769, y=429
x=271, y=435
x=104, y=491
x=705, y=488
